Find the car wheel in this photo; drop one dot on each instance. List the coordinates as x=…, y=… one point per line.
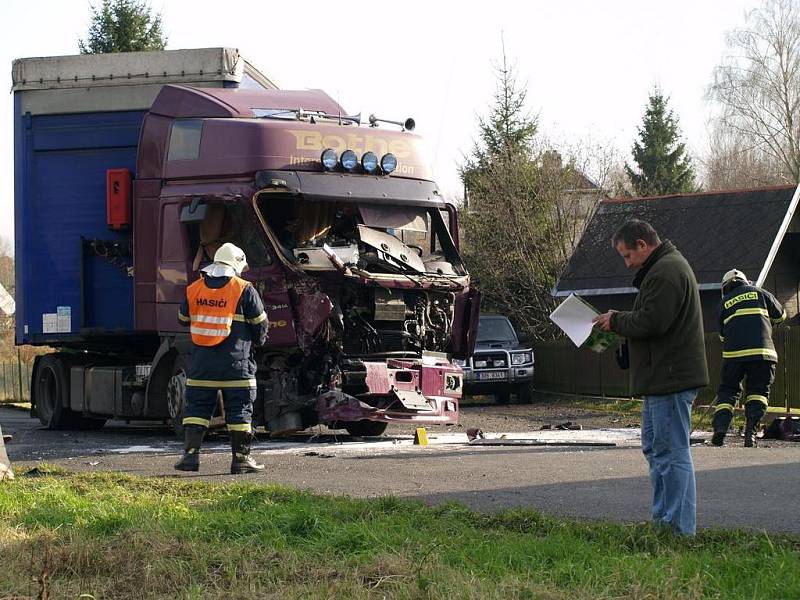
x=176, y=393
x=502, y=397
x=525, y=393
x=364, y=428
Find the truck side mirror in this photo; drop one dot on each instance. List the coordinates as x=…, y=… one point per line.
x=523, y=337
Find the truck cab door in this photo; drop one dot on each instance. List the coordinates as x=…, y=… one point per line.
x=466, y=311
x=172, y=267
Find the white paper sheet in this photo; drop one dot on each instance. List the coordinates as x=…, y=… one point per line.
x=574, y=317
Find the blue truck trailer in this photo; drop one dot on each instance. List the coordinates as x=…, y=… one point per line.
x=75, y=119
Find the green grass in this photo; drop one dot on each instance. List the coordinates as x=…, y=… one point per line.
x=617, y=406
x=627, y=407
x=118, y=536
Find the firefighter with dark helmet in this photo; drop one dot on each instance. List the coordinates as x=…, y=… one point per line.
x=746, y=315
x=226, y=317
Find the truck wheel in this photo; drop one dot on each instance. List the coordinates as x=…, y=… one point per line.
x=525, y=393
x=51, y=388
x=502, y=397
x=176, y=393
x=364, y=428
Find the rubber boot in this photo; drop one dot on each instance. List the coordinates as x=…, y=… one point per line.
x=193, y=439
x=242, y=461
x=750, y=430
x=721, y=422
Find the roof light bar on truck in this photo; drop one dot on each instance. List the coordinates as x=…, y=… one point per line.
x=370, y=162
x=349, y=160
x=329, y=159
x=388, y=163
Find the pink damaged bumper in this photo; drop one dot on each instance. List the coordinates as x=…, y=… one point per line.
x=419, y=391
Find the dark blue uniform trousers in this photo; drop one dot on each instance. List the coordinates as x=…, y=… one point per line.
x=237, y=401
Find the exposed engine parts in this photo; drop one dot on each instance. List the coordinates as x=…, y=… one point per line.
x=381, y=321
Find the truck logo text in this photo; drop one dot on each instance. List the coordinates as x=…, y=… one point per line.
x=316, y=141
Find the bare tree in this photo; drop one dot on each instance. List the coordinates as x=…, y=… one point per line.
x=584, y=172
x=757, y=85
x=734, y=161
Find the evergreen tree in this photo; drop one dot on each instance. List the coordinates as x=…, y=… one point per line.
x=508, y=131
x=123, y=26
x=663, y=166
x=519, y=213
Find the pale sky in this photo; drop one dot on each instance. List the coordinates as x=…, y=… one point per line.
x=588, y=65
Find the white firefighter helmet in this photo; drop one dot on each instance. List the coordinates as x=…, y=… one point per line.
x=731, y=276
x=233, y=256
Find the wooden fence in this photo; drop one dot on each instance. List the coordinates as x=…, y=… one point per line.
x=15, y=380
x=560, y=367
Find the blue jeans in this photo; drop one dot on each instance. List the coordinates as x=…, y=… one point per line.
x=666, y=422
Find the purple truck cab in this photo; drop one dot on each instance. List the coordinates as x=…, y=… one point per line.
x=356, y=259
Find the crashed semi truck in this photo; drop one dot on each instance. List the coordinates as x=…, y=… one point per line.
x=131, y=169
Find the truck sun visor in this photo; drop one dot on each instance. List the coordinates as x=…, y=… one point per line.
x=408, y=218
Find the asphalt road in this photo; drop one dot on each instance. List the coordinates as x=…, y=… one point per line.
x=737, y=487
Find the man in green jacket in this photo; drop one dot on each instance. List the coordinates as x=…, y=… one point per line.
x=668, y=365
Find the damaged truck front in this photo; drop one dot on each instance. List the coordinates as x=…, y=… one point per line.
x=376, y=289
x=350, y=245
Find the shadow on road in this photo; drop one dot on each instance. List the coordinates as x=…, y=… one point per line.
x=752, y=497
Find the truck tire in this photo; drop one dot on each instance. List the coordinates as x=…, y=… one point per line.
x=525, y=393
x=176, y=393
x=364, y=428
x=51, y=389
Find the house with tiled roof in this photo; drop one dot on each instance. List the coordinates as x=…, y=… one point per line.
x=754, y=230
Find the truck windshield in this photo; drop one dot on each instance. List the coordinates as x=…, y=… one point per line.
x=376, y=238
x=495, y=330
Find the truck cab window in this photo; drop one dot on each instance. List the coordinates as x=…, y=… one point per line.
x=184, y=139
x=227, y=223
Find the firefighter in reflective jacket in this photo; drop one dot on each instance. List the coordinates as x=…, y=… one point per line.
x=746, y=316
x=225, y=316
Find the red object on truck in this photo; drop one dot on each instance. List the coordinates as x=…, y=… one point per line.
x=118, y=198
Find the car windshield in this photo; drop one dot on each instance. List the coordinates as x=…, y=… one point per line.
x=495, y=330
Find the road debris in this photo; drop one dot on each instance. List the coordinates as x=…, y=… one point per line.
x=540, y=442
x=474, y=433
x=420, y=437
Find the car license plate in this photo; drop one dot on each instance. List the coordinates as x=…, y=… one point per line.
x=492, y=375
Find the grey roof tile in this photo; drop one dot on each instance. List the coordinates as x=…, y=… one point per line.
x=715, y=231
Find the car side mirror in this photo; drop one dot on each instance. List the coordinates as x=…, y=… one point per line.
x=523, y=337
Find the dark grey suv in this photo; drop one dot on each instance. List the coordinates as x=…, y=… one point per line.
x=501, y=364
